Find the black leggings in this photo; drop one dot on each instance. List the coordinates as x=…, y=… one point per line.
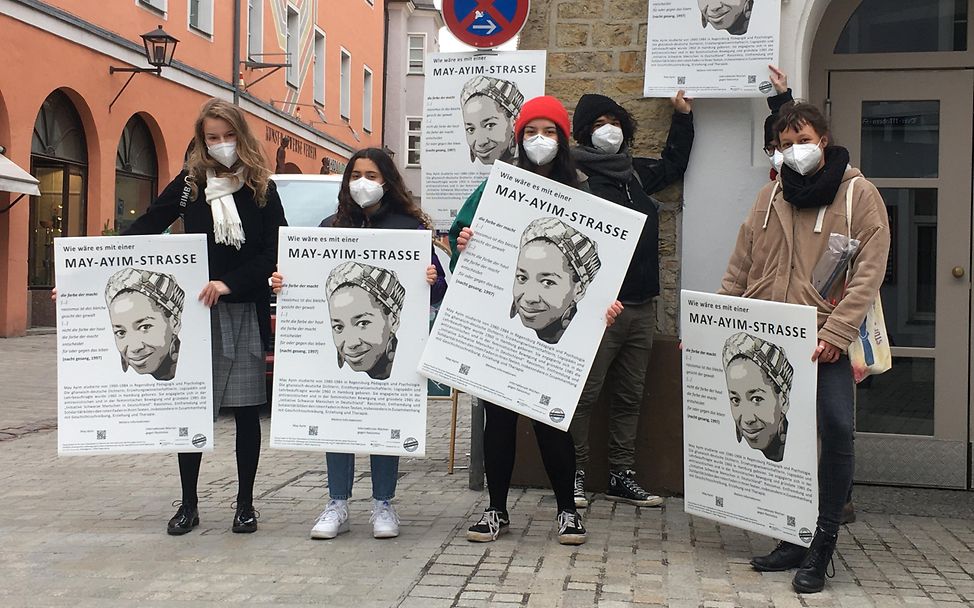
x=248, y=455
x=500, y=443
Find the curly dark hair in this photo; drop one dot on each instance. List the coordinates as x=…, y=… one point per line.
x=626, y=120
x=351, y=214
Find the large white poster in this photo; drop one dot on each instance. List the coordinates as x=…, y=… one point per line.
x=134, y=371
x=471, y=102
x=352, y=320
x=749, y=417
x=526, y=309
x=711, y=48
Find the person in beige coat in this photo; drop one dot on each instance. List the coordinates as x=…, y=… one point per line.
x=778, y=246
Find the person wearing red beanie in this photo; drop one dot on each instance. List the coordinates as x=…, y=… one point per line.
x=541, y=132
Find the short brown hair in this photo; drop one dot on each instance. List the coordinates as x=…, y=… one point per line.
x=797, y=114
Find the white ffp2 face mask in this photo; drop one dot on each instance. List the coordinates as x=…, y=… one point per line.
x=803, y=158
x=607, y=138
x=776, y=159
x=541, y=150
x=366, y=192
x=225, y=153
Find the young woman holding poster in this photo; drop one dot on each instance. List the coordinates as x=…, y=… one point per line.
x=541, y=132
x=225, y=192
x=372, y=195
x=779, y=245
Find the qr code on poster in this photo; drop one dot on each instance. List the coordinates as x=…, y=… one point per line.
x=313, y=431
x=184, y=431
x=681, y=80
x=394, y=434
x=464, y=369
x=453, y=212
x=720, y=501
x=101, y=434
x=791, y=521
x=752, y=79
x=545, y=400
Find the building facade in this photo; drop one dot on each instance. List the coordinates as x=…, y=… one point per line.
x=308, y=77
x=412, y=34
x=896, y=78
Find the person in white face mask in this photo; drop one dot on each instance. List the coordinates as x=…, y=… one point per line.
x=541, y=132
x=782, y=96
x=604, y=132
x=778, y=246
x=372, y=195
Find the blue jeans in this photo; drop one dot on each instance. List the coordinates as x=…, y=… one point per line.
x=341, y=474
x=836, y=431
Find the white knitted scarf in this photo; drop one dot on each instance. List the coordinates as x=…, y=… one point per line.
x=227, y=228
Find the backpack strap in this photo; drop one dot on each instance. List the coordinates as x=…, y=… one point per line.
x=184, y=197
x=767, y=215
x=848, y=223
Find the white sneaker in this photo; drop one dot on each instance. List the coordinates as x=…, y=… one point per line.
x=385, y=520
x=332, y=521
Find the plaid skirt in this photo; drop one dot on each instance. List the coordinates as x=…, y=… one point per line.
x=238, y=356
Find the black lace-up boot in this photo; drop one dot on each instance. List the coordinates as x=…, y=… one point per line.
x=784, y=557
x=811, y=574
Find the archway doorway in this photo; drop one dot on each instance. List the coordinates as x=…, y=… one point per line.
x=136, y=173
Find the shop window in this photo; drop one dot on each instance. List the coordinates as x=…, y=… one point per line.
x=136, y=173
x=905, y=26
x=59, y=160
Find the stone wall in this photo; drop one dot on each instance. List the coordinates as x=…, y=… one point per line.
x=599, y=46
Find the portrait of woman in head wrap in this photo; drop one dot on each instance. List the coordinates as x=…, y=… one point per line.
x=489, y=107
x=364, y=305
x=759, y=378
x=145, y=308
x=731, y=15
x=555, y=265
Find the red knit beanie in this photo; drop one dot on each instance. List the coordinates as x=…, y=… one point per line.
x=545, y=106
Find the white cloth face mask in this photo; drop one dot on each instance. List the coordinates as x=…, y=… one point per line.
x=541, y=150
x=776, y=159
x=607, y=138
x=225, y=153
x=803, y=158
x=366, y=192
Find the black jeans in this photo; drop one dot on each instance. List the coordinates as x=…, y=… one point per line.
x=500, y=444
x=836, y=430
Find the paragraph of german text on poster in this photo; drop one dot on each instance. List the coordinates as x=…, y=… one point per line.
x=749, y=418
x=134, y=371
x=472, y=100
x=526, y=309
x=711, y=48
x=352, y=320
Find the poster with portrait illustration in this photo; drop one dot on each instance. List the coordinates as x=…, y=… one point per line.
x=471, y=101
x=711, y=48
x=133, y=342
x=525, y=312
x=352, y=320
x=749, y=416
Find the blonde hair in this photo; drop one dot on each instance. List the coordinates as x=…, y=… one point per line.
x=249, y=151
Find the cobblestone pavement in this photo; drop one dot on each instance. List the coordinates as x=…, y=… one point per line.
x=88, y=532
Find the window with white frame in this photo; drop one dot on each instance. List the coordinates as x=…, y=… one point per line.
x=201, y=16
x=255, y=28
x=159, y=5
x=367, y=99
x=414, y=132
x=319, y=68
x=417, y=53
x=293, y=42
x=346, y=84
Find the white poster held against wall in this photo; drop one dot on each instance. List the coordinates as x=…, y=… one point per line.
x=749, y=414
x=471, y=101
x=134, y=358
x=352, y=320
x=711, y=48
x=525, y=312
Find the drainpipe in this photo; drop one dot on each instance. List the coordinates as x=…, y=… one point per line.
x=234, y=80
x=385, y=71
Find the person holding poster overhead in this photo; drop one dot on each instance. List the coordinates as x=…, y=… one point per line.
x=541, y=132
x=225, y=192
x=604, y=133
x=364, y=303
x=778, y=247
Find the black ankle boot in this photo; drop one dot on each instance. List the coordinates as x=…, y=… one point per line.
x=245, y=520
x=811, y=574
x=784, y=557
x=186, y=518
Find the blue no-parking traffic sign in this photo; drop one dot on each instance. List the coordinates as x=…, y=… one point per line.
x=485, y=23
